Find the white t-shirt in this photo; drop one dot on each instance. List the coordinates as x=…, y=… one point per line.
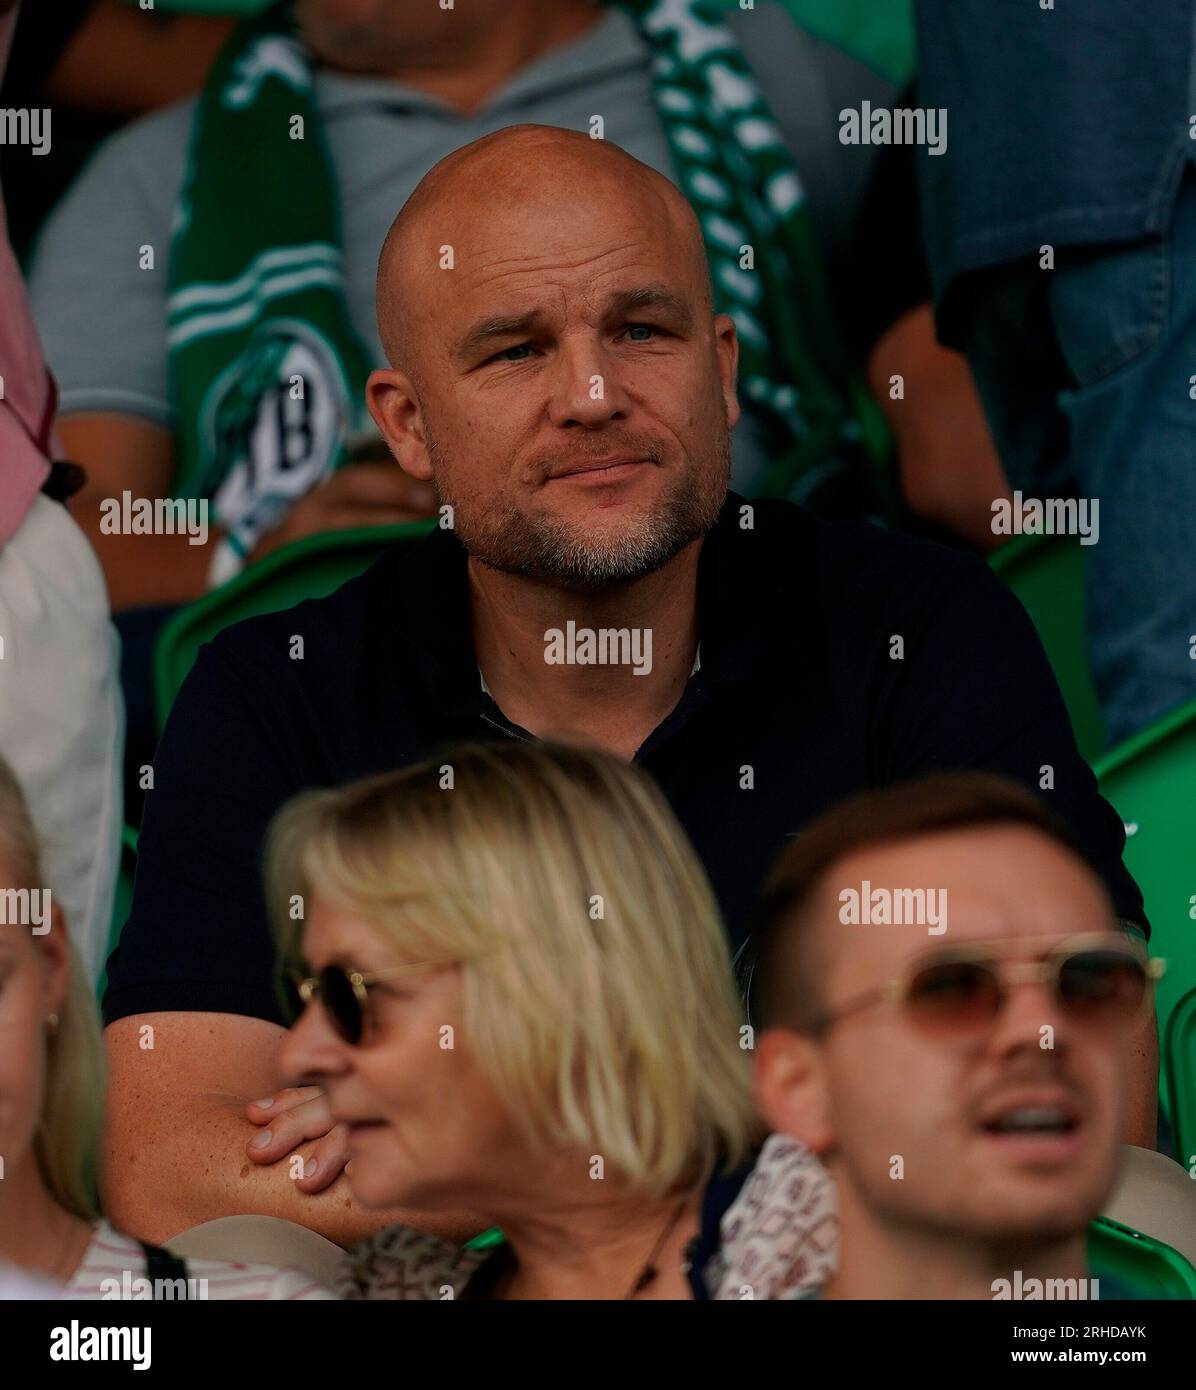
x=114, y=1267
x=18, y=1286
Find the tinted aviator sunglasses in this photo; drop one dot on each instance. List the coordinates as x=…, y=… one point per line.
x=341, y=991
x=959, y=992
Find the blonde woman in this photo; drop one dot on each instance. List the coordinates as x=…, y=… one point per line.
x=516, y=994
x=51, y=1085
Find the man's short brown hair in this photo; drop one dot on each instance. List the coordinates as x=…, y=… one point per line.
x=785, y=990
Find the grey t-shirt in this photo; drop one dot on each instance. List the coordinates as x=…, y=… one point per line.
x=103, y=319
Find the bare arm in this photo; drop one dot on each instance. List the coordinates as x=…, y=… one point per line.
x=173, y=1150
x=950, y=471
x=125, y=61
x=123, y=452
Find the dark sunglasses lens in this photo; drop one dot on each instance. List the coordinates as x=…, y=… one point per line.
x=1102, y=983
x=956, y=996
x=336, y=992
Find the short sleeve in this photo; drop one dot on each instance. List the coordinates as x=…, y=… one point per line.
x=974, y=689
x=99, y=305
x=197, y=938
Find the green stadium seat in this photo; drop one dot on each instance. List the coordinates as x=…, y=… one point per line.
x=1151, y=781
x=877, y=32
x=309, y=568
x=1047, y=575
x=1138, y=1263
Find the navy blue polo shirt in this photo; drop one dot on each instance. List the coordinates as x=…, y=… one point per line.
x=834, y=657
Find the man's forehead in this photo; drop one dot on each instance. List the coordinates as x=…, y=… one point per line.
x=566, y=240
x=892, y=902
x=472, y=239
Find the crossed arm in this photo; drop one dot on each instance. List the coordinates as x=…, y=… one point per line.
x=174, y=1149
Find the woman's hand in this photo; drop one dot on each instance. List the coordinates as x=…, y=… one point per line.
x=290, y=1119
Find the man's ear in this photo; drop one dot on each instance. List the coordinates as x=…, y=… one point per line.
x=791, y=1087
x=390, y=396
x=726, y=346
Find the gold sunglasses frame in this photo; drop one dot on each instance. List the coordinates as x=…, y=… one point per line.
x=896, y=990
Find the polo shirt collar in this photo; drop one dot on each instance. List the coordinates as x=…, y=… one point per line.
x=436, y=585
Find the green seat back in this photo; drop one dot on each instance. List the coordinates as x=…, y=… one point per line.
x=877, y=32
x=1047, y=575
x=309, y=568
x=1138, y=1262
x=1151, y=781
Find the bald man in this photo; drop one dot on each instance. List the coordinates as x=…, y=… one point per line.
x=393, y=88
x=558, y=375
x=581, y=440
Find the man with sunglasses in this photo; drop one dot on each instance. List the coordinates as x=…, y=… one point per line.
x=967, y=1091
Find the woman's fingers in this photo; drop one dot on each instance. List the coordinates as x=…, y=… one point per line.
x=326, y=1161
x=261, y=1112
x=288, y=1128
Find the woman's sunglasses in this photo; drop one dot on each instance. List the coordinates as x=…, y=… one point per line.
x=959, y=992
x=343, y=993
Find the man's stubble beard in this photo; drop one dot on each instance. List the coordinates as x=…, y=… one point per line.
x=543, y=547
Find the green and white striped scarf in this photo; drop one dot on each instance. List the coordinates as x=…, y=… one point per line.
x=267, y=373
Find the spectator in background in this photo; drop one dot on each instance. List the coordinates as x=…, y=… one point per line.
x=96, y=64
x=61, y=719
x=792, y=661
x=1061, y=226
x=950, y=471
x=51, y=1092
x=968, y=1093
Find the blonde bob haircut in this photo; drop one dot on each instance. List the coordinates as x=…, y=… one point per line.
x=597, y=991
x=65, y=1143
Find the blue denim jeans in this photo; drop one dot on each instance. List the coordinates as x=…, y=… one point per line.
x=1085, y=375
